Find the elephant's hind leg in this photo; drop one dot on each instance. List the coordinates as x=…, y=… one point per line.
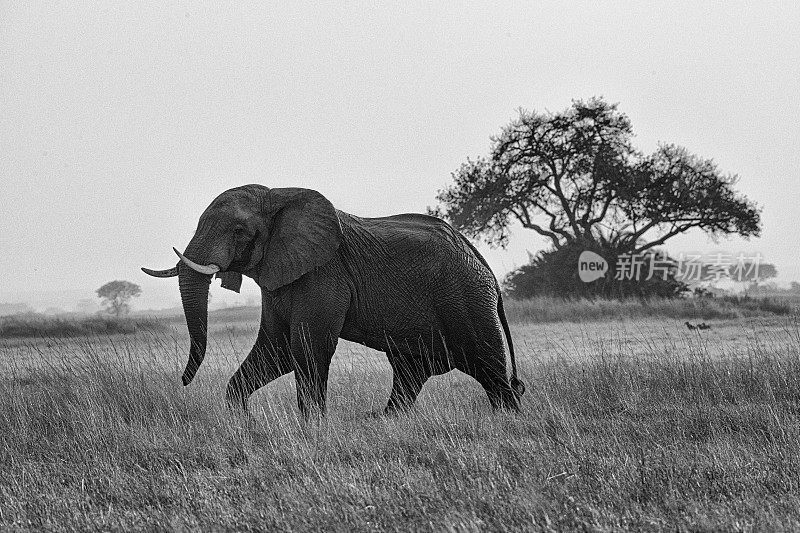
x=498, y=389
x=486, y=363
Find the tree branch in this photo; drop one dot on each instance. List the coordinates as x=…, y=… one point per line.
x=524, y=217
x=658, y=242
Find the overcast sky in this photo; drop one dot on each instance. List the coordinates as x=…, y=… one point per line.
x=119, y=124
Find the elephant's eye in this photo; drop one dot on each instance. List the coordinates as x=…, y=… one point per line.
x=240, y=234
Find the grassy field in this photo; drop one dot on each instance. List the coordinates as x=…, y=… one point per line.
x=630, y=423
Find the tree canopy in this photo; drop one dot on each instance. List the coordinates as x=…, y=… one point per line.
x=574, y=176
x=115, y=296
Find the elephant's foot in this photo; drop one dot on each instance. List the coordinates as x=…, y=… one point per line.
x=312, y=403
x=504, y=400
x=312, y=413
x=236, y=402
x=406, y=386
x=398, y=407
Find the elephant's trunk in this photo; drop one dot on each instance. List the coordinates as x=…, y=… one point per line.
x=194, y=296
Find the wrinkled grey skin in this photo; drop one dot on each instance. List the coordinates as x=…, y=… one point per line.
x=408, y=285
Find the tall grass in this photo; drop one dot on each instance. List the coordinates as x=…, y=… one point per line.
x=548, y=309
x=606, y=441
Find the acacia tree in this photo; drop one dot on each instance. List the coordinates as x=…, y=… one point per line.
x=575, y=176
x=115, y=296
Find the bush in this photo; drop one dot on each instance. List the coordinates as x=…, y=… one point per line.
x=555, y=273
x=36, y=325
x=767, y=305
x=550, y=309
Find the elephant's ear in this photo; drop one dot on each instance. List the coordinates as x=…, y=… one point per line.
x=230, y=280
x=306, y=233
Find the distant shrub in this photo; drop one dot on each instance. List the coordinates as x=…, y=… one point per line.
x=36, y=325
x=775, y=306
x=552, y=309
x=555, y=273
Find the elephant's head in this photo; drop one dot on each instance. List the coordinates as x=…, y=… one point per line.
x=272, y=235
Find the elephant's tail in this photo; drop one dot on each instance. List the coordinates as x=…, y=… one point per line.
x=516, y=384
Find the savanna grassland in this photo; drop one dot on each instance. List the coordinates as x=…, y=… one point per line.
x=631, y=421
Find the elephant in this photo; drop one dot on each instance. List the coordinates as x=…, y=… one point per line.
x=408, y=285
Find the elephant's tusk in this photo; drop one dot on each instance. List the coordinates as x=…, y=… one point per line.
x=203, y=269
x=168, y=273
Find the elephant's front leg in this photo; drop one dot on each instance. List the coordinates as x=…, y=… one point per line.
x=312, y=350
x=409, y=377
x=268, y=360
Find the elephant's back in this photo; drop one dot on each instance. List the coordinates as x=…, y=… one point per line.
x=414, y=245
x=411, y=227
x=414, y=273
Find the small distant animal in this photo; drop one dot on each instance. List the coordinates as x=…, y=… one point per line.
x=704, y=326
x=690, y=326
